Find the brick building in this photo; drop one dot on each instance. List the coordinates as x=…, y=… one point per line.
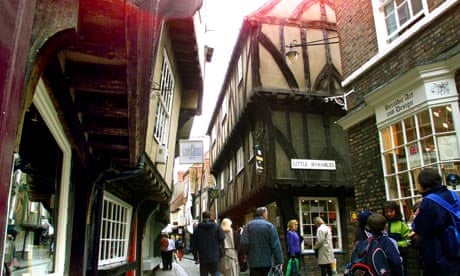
x=400, y=63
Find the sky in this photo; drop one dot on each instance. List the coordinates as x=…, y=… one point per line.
x=223, y=20
x=223, y=23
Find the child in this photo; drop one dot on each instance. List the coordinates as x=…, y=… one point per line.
x=375, y=225
x=397, y=229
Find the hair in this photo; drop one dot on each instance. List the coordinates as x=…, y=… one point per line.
x=362, y=218
x=318, y=221
x=226, y=224
x=429, y=178
x=376, y=223
x=291, y=224
x=392, y=205
x=260, y=211
x=206, y=215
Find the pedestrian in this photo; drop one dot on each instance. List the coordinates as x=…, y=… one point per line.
x=170, y=253
x=229, y=261
x=207, y=241
x=376, y=224
x=430, y=223
x=261, y=243
x=164, y=242
x=361, y=234
x=397, y=229
x=294, y=247
x=324, y=246
x=179, y=248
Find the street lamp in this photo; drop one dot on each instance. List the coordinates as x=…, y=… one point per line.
x=292, y=54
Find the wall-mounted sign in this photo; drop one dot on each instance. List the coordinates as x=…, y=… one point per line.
x=213, y=193
x=191, y=151
x=311, y=164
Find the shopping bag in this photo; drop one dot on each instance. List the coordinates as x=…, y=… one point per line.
x=275, y=271
x=292, y=268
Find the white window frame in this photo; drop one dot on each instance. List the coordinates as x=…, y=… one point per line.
x=45, y=107
x=311, y=213
x=114, y=240
x=251, y=145
x=230, y=170
x=164, y=104
x=222, y=179
x=240, y=159
x=384, y=38
x=399, y=174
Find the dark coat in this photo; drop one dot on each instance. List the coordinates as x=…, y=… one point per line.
x=430, y=222
x=207, y=238
x=262, y=243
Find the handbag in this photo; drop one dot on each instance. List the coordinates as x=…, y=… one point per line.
x=275, y=271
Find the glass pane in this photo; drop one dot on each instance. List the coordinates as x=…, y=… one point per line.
x=388, y=162
x=416, y=6
x=411, y=131
x=404, y=184
x=392, y=187
x=403, y=13
x=448, y=147
x=424, y=123
x=407, y=210
x=414, y=155
x=401, y=159
x=386, y=138
x=451, y=168
x=390, y=18
x=442, y=119
x=429, y=151
x=398, y=136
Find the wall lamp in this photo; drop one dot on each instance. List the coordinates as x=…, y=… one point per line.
x=292, y=54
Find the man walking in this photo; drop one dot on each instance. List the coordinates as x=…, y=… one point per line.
x=262, y=244
x=207, y=240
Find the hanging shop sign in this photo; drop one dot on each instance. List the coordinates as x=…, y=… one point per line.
x=191, y=151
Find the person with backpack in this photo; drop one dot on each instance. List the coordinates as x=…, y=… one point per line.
x=430, y=225
x=378, y=255
x=324, y=246
x=208, y=237
x=397, y=229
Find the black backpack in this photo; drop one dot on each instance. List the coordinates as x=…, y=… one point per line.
x=369, y=259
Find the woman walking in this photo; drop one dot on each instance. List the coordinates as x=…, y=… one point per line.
x=229, y=262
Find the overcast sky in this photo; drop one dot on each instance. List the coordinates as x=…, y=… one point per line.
x=223, y=22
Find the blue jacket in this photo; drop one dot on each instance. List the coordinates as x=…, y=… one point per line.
x=262, y=243
x=293, y=243
x=207, y=238
x=431, y=220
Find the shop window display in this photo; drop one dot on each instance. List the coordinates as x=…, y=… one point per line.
x=425, y=139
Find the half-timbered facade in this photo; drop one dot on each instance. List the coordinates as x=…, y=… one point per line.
x=96, y=96
x=274, y=140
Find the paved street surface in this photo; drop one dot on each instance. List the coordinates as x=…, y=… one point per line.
x=187, y=267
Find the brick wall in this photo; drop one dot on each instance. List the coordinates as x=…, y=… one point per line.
x=434, y=43
x=358, y=41
x=366, y=166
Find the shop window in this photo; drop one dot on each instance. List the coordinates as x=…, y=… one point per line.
x=425, y=139
x=165, y=95
x=326, y=208
x=114, y=241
